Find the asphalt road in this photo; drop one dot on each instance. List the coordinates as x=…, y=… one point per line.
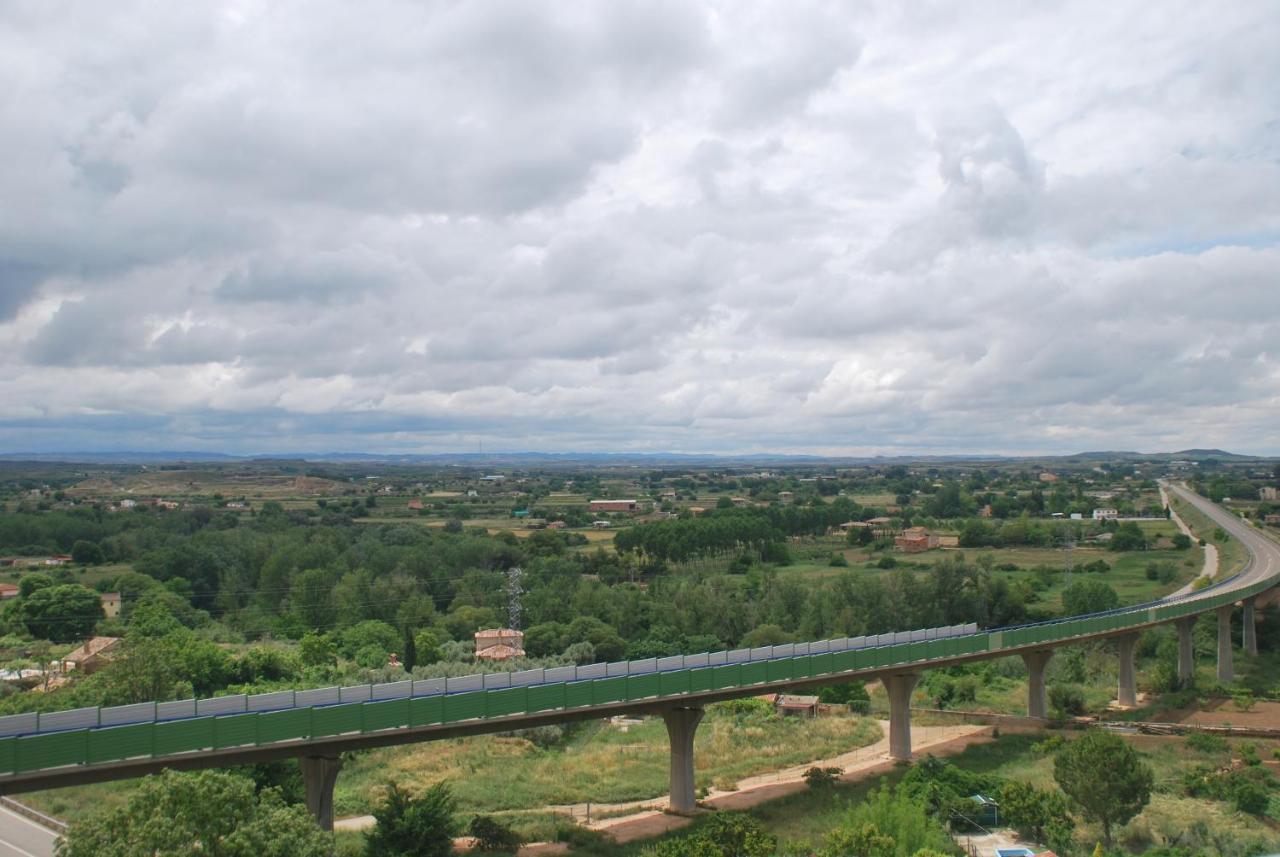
x=1266, y=552
x=21, y=837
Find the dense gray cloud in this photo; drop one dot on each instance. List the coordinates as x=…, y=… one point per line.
x=721, y=226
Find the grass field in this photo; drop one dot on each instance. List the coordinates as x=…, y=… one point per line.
x=1127, y=575
x=1232, y=555
x=599, y=763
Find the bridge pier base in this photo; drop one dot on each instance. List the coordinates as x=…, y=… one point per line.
x=319, y=773
x=1127, y=685
x=1226, y=669
x=900, y=686
x=1037, y=696
x=682, y=723
x=1186, y=651
x=1250, y=629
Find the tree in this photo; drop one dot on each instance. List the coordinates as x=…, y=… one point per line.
x=414, y=827
x=1038, y=814
x=170, y=812
x=317, y=650
x=62, y=613
x=86, y=552
x=1089, y=595
x=1104, y=778
x=410, y=656
x=427, y=646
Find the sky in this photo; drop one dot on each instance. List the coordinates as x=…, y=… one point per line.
x=676, y=226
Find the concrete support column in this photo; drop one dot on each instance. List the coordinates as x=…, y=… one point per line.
x=1037, y=695
x=319, y=773
x=1127, y=687
x=682, y=723
x=1186, y=651
x=1226, y=669
x=900, y=687
x=1250, y=630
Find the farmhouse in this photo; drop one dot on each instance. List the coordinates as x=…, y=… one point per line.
x=111, y=604
x=8, y=590
x=615, y=506
x=1269, y=493
x=93, y=655
x=915, y=540
x=1274, y=520
x=499, y=644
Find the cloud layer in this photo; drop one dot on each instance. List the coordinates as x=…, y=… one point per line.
x=730, y=227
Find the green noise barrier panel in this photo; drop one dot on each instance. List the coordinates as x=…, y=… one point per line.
x=546, y=697
x=426, y=711
x=335, y=720
x=284, y=725
x=121, y=742
x=52, y=750
x=183, y=736
x=577, y=694
x=608, y=690
x=701, y=680
x=642, y=686
x=673, y=683
x=504, y=702
x=464, y=706
x=235, y=730
x=390, y=714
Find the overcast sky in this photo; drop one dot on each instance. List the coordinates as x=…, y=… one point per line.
x=667, y=226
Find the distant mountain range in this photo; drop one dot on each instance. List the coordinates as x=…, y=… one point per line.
x=614, y=458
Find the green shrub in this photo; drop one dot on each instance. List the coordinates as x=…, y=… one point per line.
x=1203, y=742
x=423, y=826
x=1249, y=797
x=821, y=778
x=492, y=835
x=1067, y=699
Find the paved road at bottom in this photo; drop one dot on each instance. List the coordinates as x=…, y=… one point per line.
x=22, y=837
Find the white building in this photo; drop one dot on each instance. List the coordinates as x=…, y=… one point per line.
x=1105, y=514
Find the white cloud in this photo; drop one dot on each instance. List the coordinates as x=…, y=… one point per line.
x=719, y=226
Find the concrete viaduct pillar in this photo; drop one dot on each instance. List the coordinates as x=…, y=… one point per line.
x=1250, y=629
x=1186, y=651
x=1127, y=686
x=900, y=686
x=319, y=773
x=1226, y=670
x=682, y=723
x=1037, y=696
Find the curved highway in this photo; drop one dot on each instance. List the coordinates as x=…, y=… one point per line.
x=1264, y=553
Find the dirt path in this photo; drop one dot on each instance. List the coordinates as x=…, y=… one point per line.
x=1210, y=552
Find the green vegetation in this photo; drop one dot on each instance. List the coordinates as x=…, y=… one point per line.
x=169, y=812
x=1104, y=779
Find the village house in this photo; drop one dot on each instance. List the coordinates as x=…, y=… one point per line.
x=1105, y=514
x=92, y=656
x=58, y=559
x=415, y=505
x=499, y=644
x=631, y=506
x=1272, y=519
x=915, y=540
x=8, y=590
x=111, y=604
x=1048, y=477
x=1268, y=493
